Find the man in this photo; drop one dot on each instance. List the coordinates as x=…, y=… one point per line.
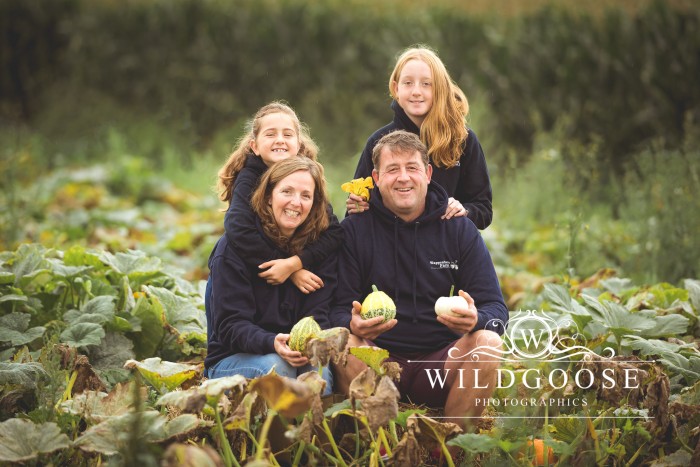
x=402, y=246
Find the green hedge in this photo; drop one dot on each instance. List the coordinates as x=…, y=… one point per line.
x=614, y=80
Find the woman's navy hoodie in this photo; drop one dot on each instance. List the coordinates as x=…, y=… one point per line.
x=468, y=181
x=250, y=244
x=415, y=263
x=246, y=312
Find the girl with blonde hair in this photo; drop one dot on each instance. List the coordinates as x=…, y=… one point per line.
x=274, y=134
x=427, y=102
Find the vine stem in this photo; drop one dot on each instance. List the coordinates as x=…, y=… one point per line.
x=336, y=451
x=229, y=458
x=271, y=414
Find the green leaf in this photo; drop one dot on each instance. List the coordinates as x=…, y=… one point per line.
x=667, y=326
x=13, y=298
x=371, y=356
x=402, y=417
x=134, y=264
x=29, y=258
x=180, y=312
x=649, y=347
x=616, y=285
x=557, y=294
x=666, y=295
x=474, y=443
x=99, y=310
x=7, y=278
x=13, y=329
x=147, y=342
x=112, y=435
x=59, y=269
x=22, y=374
x=693, y=288
x=621, y=321
x=78, y=256
x=163, y=376
x=114, y=350
x=22, y=440
x=337, y=407
x=82, y=334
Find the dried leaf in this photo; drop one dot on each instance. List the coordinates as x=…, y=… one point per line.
x=188, y=455
x=383, y=405
x=407, y=452
x=430, y=431
x=362, y=386
x=285, y=396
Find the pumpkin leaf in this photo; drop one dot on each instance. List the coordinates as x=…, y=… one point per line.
x=667, y=326
x=97, y=406
x=82, y=334
x=474, y=443
x=209, y=392
x=13, y=329
x=147, y=341
x=180, y=312
x=371, y=356
x=162, y=375
x=22, y=374
x=13, y=298
x=427, y=429
x=112, y=435
x=285, y=396
x=7, y=278
x=693, y=288
x=21, y=440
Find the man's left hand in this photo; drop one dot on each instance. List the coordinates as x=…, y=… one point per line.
x=467, y=319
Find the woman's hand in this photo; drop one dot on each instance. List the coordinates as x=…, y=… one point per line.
x=306, y=281
x=467, y=319
x=355, y=204
x=278, y=270
x=454, y=209
x=293, y=357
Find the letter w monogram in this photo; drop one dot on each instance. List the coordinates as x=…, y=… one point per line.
x=533, y=339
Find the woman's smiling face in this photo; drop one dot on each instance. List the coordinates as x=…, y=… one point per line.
x=291, y=201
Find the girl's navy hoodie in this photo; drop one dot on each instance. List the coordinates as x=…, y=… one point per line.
x=246, y=312
x=415, y=263
x=468, y=181
x=250, y=244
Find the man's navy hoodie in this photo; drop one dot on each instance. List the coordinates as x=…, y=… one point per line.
x=415, y=263
x=468, y=181
x=246, y=313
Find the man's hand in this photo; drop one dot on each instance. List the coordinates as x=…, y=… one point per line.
x=293, y=357
x=306, y=281
x=368, y=328
x=278, y=270
x=467, y=319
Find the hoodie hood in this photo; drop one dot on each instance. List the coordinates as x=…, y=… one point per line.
x=402, y=119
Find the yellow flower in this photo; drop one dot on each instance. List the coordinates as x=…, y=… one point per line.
x=359, y=187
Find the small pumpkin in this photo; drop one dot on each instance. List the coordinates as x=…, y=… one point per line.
x=377, y=303
x=444, y=305
x=306, y=329
x=538, y=445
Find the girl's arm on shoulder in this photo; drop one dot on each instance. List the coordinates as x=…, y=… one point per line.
x=240, y=223
x=326, y=245
x=474, y=189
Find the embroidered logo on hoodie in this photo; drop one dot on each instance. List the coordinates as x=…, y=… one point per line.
x=444, y=265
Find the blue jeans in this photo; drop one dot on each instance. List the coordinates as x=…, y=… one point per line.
x=253, y=366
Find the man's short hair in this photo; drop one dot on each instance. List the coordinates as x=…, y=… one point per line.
x=400, y=141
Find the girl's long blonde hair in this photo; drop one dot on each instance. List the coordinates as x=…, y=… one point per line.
x=317, y=220
x=230, y=170
x=444, y=129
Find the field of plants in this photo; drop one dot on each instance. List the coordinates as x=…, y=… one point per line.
x=115, y=116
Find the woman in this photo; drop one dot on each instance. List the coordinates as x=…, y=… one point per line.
x=249, y=319
x=427, y=102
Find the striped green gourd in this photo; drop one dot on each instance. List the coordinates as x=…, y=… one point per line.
x=307, y=328
x=376, y=304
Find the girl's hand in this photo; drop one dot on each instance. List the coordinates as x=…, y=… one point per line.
x=293, y=357
x=355, y=204
x=454, y=209
x=306, y=281
x=278, y=270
